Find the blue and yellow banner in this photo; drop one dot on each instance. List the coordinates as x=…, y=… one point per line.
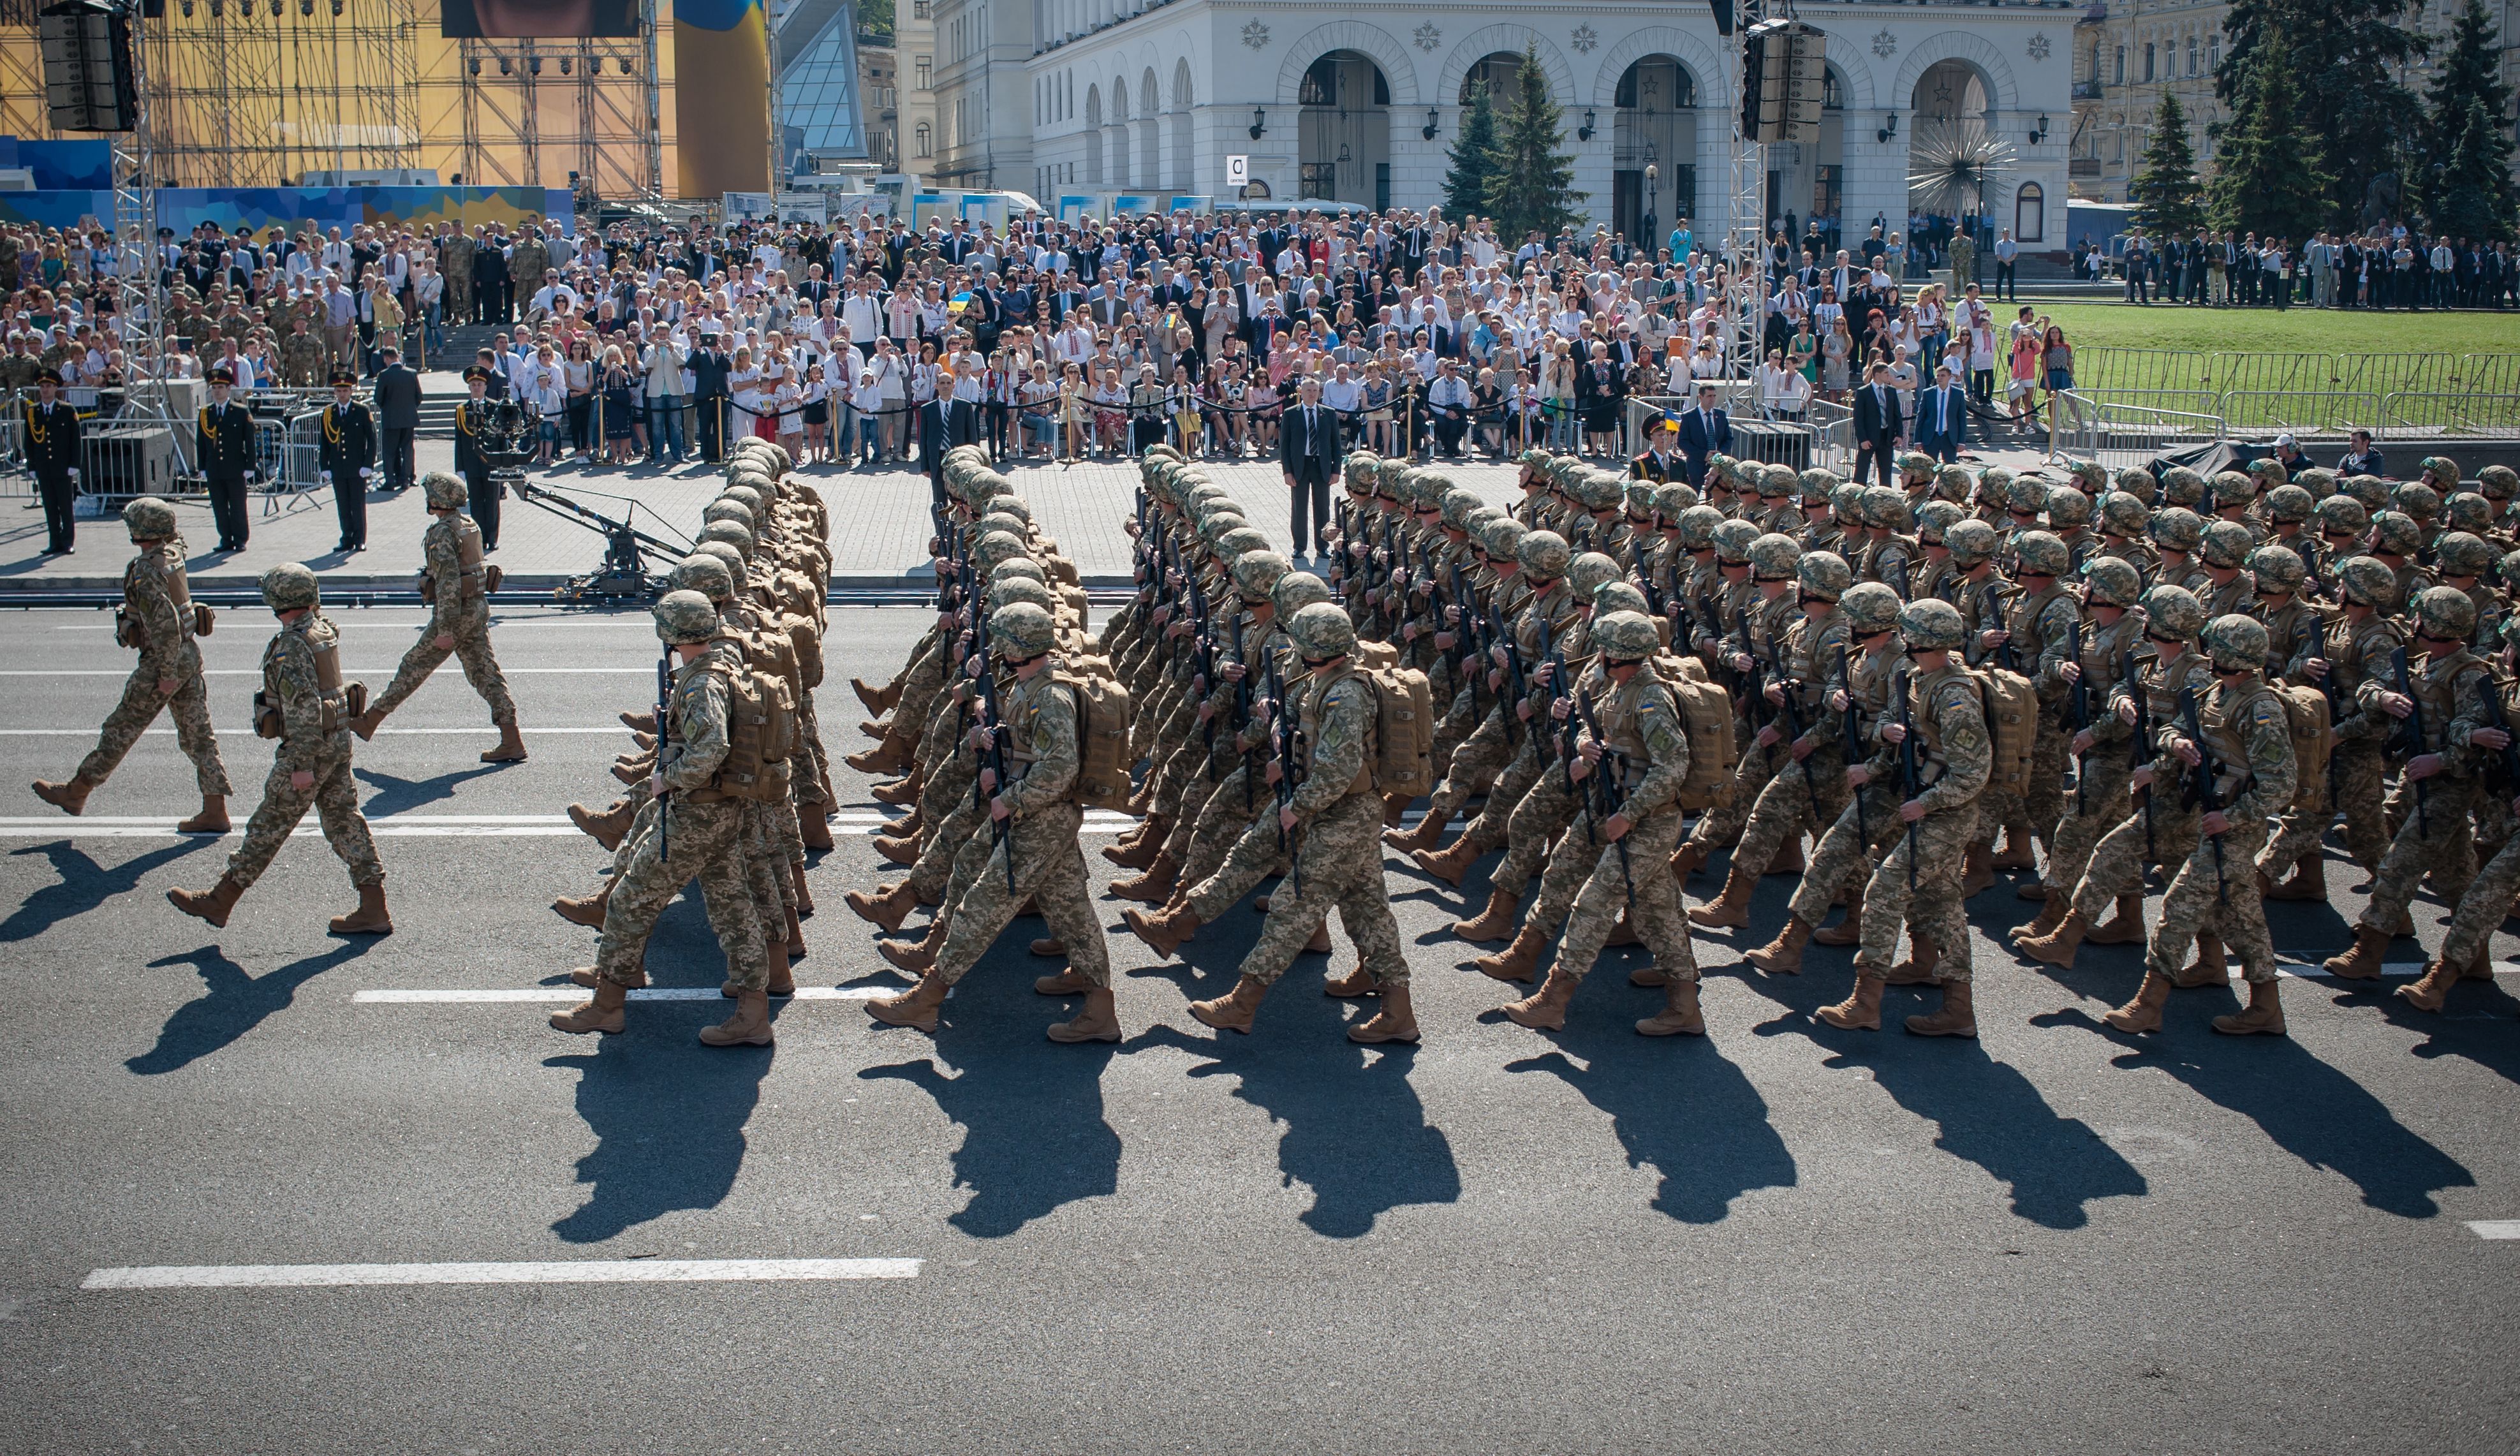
x=721, y=97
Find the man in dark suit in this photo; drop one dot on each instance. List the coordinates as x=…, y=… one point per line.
x=1879, y=425
x=1942, y=418
x=470, y=416
x=50, y=430
x=1307, y=455
x=1704, y=431
x=223, y=446
x=344, y=459
x=944, y=422
x=399, y=395
x=711, y=395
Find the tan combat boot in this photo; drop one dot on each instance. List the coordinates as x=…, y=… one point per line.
x=2050, y=914
x=1451, y=864
x=749, y=1026
x=1232, y=1011
x=2018, y=854
x=795, y=937
x=1429, y=830
x=212, y=819
x=886, y=757
x=1494, y=923
x=1394, y=806
x=602, y=1013
x=914, y=1008
x=1066, y=983
x=212, y=905
x=1784, y=956
x=1688, y=858
x=2363, y=962
x=1923, y=955
x=584, y=910
x=369, y=919
x=1953, y=1018
x=813, y=830
x=1319, y=944
x=1732, y=906
x=1650, y=977
x=1861, y=1011
x=1977, y=870
x=872, y=697
x=902, y=851
x=2125, y=924
x=887, y=907
x=901, y=794
x=640, y=722
x=1788, y=858
x=2210, y=968
x=1357, y=982
x=1680, y=1015
x=1165, y=930
x=607, y=827
x=1098, y=1021
x=1544, y=1010
x=2308, y=881
x=917, y=957
x=1847, y=931
x=70, y=797
x=585, y=976
x=2480, y=966
x=2432, y=989
x=2143, y=1013
x=1395, y=1020
x=797, y=883
x=1155, y=886
x=2057, y=946
x=1149, y=844
x=2263, y=1018
x=510, y=748
x=365, y=725
x=1520, y=958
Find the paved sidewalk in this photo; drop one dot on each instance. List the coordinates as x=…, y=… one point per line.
x=879, y=524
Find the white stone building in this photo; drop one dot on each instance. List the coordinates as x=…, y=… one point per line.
x=1120, y=95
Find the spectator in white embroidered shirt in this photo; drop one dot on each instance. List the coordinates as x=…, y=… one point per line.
x=1343, y=392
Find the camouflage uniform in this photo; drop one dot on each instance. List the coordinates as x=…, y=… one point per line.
x=301, y=674
x=157, y=601
x=2436, y=836
x=1812, y=792
x=2099, y=801
x=2211, y=891
x=460, y=607
x=1039, y=843
x=1646, y=754
x=2159, y=819
x=690, y=832
x=1955, y=756
x=1842, y=861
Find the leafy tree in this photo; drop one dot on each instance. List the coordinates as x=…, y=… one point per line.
x=2466, y=169
x=2346, y=58
x=2170, y=200
x=1474, y=159
x=874, y=17
x=2272, y=178
x=1532, y=183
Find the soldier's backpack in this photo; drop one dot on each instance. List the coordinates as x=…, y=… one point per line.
x=760, y=736
x=807, y=641
x=2306, y=719
x=2011, y=724
x=1102, y=756
x=1403, y=739
x=1707, y=721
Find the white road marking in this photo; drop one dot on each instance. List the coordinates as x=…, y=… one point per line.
x=2495, y=1228
x=566, y=1271
x=437, y=997
x=2306, y=971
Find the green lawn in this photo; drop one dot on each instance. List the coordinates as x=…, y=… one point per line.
x=2301, y=369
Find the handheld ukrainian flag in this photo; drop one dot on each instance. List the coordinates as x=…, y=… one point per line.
x=722, y=96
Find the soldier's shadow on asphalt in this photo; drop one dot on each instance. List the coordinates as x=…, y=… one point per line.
x=2475, y=1022
x=230, y=1005
x=84, y=885
x=669, y=1114
x=1035, y=1137
x=1356, y=1131
x=388, y=794
x=2309, y=1109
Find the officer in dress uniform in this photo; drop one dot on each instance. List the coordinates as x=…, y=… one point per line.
x=471, y=417
x=223, y=443
x=51, y=433
x=346, y=458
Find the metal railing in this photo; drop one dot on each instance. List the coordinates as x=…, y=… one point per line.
x=2114, y=371
x=2122, y=435
x=288, y=435
x=2486, y=415
x=2301, y=411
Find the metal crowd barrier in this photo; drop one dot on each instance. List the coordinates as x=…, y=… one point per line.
x=2122, y=435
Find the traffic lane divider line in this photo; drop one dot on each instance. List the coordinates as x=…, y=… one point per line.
x=2495, y=1228
x=437, y=997
x=560, y=1271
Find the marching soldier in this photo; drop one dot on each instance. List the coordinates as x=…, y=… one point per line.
x=49, y=430
x=1035, y=855
x=2098, y=801
x=2466, y=952
x=456, y=586
x=304, y=705
x=346, y=459
x=223, y=444
x=159, y=619
x=1631, y=826
x=2243, y=728
x=697, y=830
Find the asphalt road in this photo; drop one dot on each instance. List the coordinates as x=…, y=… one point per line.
x=1777, y=1238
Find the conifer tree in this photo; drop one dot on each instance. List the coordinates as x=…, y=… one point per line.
x=1532, y=184
x=2272, y=178
x=1473, y=156
x=2170, y=200
x=2467, y=164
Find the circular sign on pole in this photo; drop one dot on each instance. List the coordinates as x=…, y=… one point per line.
x=1237, y=170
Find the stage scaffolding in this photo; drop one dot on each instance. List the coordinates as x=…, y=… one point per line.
x=532, y=112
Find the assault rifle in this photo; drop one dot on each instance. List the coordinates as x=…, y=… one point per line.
x=995, y=726
x=1992, y=612
x=2410, y=738
x=1282, y=737
x=1499, y=636
x=2491, y=697
x=2201, y=787
x=2079, y=707
x=1911, y=774
x=2140, y=746
x=1608, y=796
x=664, y=738
x=1790, y=712
x=1854, y=735
x=1241, y=699
x=1553, y=656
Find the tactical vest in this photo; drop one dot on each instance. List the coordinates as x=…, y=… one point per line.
x=1621, y=716
x=2025, y=618
x=1308, y=723
x=2358, y=652
x=2443, y=685
x=2221, y=713
x=1923, y=690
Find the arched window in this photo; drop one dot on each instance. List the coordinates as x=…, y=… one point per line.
x=924, y=146
x=2030, y=214
x=2191, y=55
